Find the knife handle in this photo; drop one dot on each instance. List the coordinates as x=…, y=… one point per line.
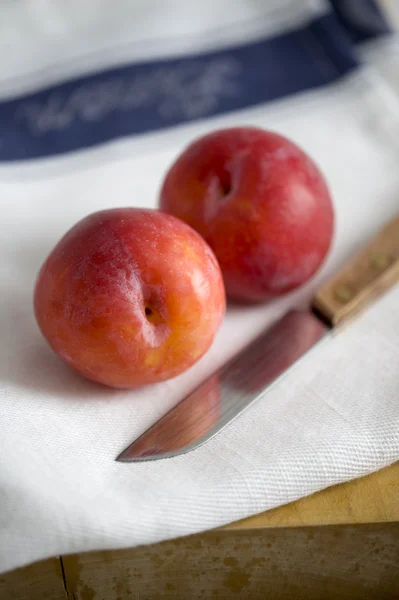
x=363, y=278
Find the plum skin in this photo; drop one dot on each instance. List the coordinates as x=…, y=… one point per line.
x=129, y=297
x=260, y=202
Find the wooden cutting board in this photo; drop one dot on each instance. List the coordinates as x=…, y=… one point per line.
x=340, y=543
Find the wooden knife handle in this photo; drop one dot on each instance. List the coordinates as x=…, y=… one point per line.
x=366, y=276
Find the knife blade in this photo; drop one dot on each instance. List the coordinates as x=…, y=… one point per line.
x=248, y=376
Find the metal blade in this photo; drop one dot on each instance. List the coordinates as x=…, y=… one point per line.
x=228, y=392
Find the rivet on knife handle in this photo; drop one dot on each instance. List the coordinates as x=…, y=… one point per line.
x=249, y=375
x=367, y=275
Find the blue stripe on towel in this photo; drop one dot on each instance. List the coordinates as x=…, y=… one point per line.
x=154, y=95
x=362, y=19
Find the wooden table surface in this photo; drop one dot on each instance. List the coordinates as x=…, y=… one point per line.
x=340, y=543
x=370, y=499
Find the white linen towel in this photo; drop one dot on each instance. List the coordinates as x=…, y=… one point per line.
x=334, y=417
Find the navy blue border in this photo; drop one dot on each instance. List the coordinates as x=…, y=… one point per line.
x=155, y=95
x=362, y=19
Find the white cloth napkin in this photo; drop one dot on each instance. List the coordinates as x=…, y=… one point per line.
x=334, y=417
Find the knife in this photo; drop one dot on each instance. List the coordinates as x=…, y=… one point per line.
x=248, y=376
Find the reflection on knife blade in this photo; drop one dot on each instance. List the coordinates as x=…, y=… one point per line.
x=249, y=375
x=233, y=388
